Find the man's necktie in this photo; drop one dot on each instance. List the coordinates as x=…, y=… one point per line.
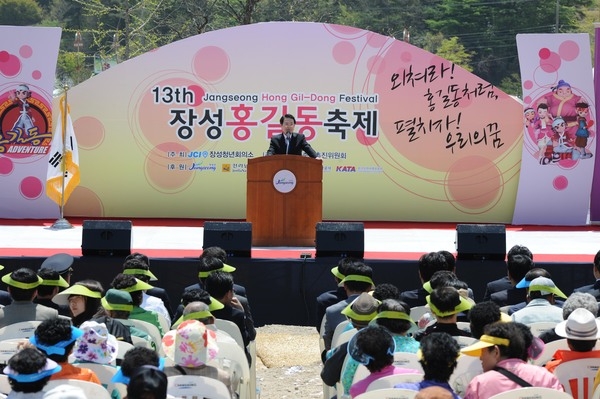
x=287, y=142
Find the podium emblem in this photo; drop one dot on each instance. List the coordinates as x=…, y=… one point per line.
x=284, y=181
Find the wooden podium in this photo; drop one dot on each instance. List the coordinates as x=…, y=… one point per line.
x=284, y=200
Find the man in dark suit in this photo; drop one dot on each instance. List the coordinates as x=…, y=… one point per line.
x=518, y=266
x=593, y=289
x=428, y=264
x=219, y=285
x=504, y=283
x=288, y=142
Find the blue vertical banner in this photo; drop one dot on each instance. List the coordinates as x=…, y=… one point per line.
x=27, y=73
x=559, y=130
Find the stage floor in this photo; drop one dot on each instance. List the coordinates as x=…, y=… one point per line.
x=383, y=240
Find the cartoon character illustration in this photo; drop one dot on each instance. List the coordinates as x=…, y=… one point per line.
x=545, y=145
x=529, y=119
x=561, y=101
x=543, y=120
x=20, y=97
x=562, y=144
x=582, y=133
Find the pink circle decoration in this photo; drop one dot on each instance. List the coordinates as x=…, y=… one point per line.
x=527, y=99
x=376, y=40
x=343, y=52
x=151, y=117
x=343, y=29
x=544, y=53
x=84, y=201
x=211, y=64
x=363, y=139
x=198, y=94
x=406, y=56
x=484, y=186
x=552, y=63
x=4, y=56
x=6, y=166
x=568, y=50
x=376, y=64
x=94, y=132
x=528, y=84
x=157, y=168
x=31, y=187
x=36, y=75
x=25, y=51
x=560, y=183
x=11, y=66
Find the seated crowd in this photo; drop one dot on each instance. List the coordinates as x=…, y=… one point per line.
x=434, y=339
x=525, y=333
x=81, y=328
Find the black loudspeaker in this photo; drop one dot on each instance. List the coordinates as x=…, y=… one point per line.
x=106, y=237
x=234, y=237
x=340, y=240
x=481, y=241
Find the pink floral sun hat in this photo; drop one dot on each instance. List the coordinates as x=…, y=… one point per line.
x=96, y=345
x=191, y=345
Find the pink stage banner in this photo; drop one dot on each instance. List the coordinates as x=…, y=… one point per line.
x=403, y=133
x=595, y=199
x=559, y=135
x=27, y=71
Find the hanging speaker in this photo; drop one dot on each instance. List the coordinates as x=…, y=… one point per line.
x=340, y=240
x=481, y=241
x=106, y=238
x=234, y=237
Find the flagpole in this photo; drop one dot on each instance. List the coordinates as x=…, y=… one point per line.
x=62, y=223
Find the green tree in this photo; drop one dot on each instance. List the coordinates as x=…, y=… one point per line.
x=20, y=12
x=455, y=52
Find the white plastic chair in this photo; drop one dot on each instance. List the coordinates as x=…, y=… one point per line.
x=233, y=359
x=532, y=392
x=343, y=338
x=9, y=347
x=549, y=350
x=91, y=389
x=194, y=386
x=408, y=361
x=467, y=367
x=149, y=329
x=5, y=387
x=541, y=326
x=164, y=323
x=418, y=311
x=104, y=372
x=122, y=348
x=464, y=341
x=391, y=380
x=340, y=328
x=577, y=376
x=464, y=325
x=232, y=329
x=23, y=329
x=388, y=393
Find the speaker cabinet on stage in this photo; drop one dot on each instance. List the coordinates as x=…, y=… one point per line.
x=340, y=240
x=106, y=237
x=481, y=241
x=234, y=237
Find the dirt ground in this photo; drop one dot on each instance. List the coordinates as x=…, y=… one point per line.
x=288, y=362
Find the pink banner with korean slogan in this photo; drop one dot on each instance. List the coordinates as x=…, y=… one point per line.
x=27, y=72
x=559, y=129
x=404, y=134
